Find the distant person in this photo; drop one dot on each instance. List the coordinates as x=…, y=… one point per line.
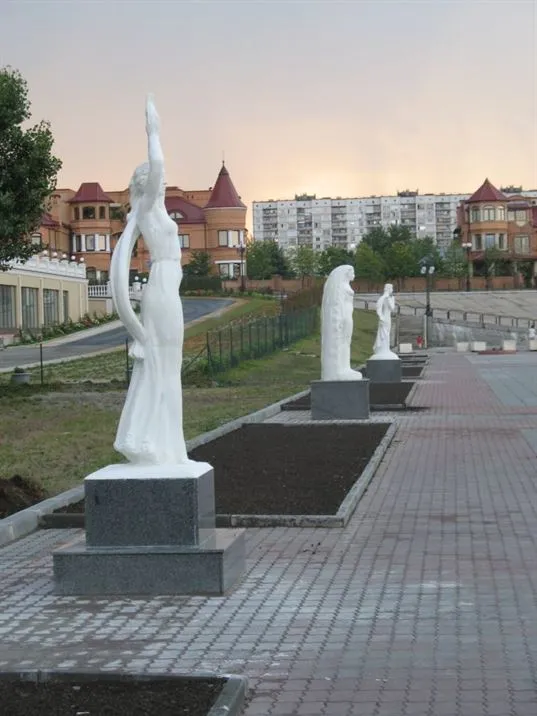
x=531, y=332
x=419, y=341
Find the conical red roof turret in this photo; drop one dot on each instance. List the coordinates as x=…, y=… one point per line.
x=487, y=192
x=224, y=195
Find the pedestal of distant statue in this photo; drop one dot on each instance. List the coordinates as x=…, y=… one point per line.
x=150, y=522
x=384, y=371
x=340, y=399
x=151, y=530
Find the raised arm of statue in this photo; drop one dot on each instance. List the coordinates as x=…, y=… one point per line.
x=119, y=282
x=155, y=177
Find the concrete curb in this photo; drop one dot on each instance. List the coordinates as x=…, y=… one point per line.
x=345, y=511
x=229, y=703
x=26, y=521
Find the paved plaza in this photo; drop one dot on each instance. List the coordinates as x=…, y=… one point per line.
x=424, y=605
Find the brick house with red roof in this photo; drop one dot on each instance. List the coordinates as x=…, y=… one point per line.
x=492, y=219
x=212, y=220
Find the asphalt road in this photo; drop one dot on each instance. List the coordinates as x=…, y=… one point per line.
x=193, y=308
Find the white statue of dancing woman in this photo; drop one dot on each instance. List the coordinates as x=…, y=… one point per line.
x=385, y=307
x=336, y=326
x=150, y=430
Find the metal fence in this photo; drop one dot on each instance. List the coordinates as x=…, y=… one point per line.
x=229, y=346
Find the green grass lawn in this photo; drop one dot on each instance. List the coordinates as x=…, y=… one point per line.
x=57, y=438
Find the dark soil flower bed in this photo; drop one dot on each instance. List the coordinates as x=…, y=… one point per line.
x=267, y=468
x=411, y=371
x=17, y=493
x=166, y=697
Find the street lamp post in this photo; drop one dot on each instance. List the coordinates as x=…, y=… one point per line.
x=241, y=248
x=467, y=246
x=427, y=270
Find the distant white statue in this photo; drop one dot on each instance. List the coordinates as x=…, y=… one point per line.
x=150, y=430
x=336, y=326
x=385, y=307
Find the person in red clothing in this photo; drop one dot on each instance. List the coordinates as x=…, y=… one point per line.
x=419, y=341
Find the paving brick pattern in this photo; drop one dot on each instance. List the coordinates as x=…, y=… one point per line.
x=424, y=605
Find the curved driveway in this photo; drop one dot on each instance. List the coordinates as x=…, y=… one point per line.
x=90, y=342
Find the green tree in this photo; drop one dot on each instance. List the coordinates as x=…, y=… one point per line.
x=380, y=239
x=259, y=260
x=455, y=263
x=368, y=263
x=332, y=257
x=28, y=170
x=304, y=261
x=401, y=261
x=280, y=264
x=199, y=264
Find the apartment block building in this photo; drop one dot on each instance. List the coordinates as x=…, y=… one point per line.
x=324, y=222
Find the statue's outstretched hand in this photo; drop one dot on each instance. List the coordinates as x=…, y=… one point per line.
x=152, y=120
x=137, y=351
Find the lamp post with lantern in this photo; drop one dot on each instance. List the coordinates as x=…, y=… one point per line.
x=241, y=250
x=467, y=246
x=427, y=270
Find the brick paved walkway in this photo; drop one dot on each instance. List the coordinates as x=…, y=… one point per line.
x=425, y=605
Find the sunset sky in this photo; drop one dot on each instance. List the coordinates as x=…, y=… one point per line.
x=335, y=98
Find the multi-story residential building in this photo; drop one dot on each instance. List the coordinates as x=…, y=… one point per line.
x=324, y=222
x=506, y=221
x=86, y=224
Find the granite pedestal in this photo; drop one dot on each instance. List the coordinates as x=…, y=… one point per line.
x=340, y=399
x=384, y=371
x=151, y=530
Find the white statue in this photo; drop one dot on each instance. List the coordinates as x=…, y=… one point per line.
x=385, y=308
x=150, y=430
x=336, y=326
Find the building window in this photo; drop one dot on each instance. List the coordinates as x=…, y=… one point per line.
x=502, y=244
x=30, y=308
x=51, y=306
x=88, y=212
x=184, y=240
x=102, y=212
x=66, y=305
x=76, y=213
x=77, y=241
x=229, y=270
x=7, y=306
x=522, y=244
x=500, y=213
x=116, y=213
x=475, y=213
x=477, y=242
x=489, y=213
x=228, y=237
x=490, y=241
x=176, y=215
x=90, y=242
x=100, y=243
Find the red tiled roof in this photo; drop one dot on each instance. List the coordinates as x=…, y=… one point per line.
x=487, y=192
x=47, y=220
x=90, y=191
x=192, y=214
x=224, y=195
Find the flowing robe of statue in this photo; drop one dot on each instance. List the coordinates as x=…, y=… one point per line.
x=150, y=430
x=337, y=311
x=385, y=307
